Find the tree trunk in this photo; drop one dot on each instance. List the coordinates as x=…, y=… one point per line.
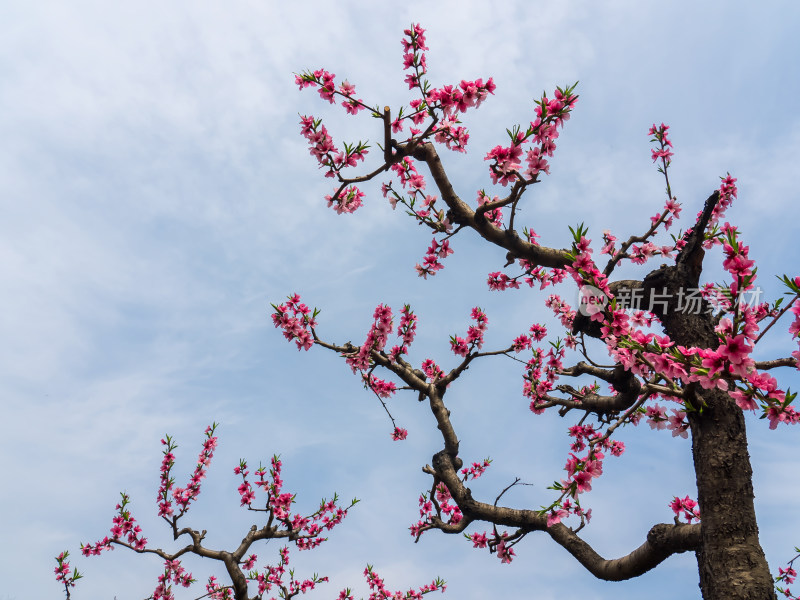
x=731, y=562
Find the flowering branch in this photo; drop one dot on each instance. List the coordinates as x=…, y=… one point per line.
x=281, y=523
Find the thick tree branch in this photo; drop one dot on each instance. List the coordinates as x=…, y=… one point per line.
x=766, y=365
x=443, y=424
x=462, y=214
x=582, y=368
x=627, y=386
x=457, y=371
x=413, y=378
x=662, y=541
x=690, y=257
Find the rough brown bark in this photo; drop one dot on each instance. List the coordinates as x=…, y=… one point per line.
x=730, y=559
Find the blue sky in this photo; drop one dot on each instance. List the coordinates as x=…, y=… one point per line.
x=157, y=196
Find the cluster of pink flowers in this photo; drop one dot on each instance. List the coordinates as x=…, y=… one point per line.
x=787, y=575
x=326, y=84
x=215, y=591
x=346, y=201
x=543, y=131
x=467, y=94
x=250, y=562
x=727, y=192
x=430, y=262
x=320, y=142
x=641, y=353
x=296, y=320
x=561, y=309
x=583, y=434
x=183, y=496
x=399, y=434
x=495, y=215
x=442, y=105
x=173, y=573
x=609, y=242
x=520, y=343
x=408, y=175
x=376, y=339
x=461, y=346
x=384, y=389
x=794, y=327
x=432, y=370
x=535, y=386
x=64, y=574
x=441, y=504
x=581, y=472
x=406, y=331
x=322, y=148
x=476, y=470
x=500, y=282
x=124, y=531
x=380, y=592
x=540, y=275
x=268, y=577
x=451, y=134
x=245, y=489
x=685, y=507
x=479, y=540
x=504, y=552
x=563, y=508
x=124, y=526
x=641, y=254
x=446, y=505
x=506, y=161
x=420, y=205
x=449, y=99
x=663, y=153
x=321, y=145
x=657, y=419
x=413, y=55
x=307, y=528
x=498, y=543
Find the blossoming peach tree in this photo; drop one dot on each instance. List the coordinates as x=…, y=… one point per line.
x=680, y=349
x=279, y=521
x=680, y=353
